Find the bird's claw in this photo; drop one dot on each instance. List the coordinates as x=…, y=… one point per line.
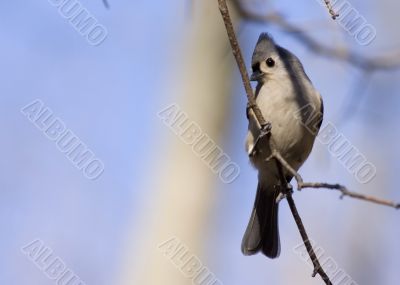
x=289, y=188
x=282, y=195
x=264, y=131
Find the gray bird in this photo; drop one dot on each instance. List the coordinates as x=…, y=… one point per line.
x=288, y=100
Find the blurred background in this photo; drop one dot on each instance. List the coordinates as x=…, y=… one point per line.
x=154, y=187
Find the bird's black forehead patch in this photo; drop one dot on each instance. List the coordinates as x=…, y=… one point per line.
x=265, y=47
x=256, y=66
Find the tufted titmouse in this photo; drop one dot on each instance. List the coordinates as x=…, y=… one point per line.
x=285, y=96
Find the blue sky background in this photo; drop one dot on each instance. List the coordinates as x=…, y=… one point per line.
x=108, y=96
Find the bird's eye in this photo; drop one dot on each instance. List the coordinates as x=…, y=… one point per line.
x=270, y=62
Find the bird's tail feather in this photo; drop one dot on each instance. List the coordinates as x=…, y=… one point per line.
x=262, y=232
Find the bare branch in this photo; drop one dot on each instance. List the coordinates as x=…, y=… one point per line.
x=287, y=189
x=328, y=5
x=385, y=62
x=223, y=8
x=301, y=185
x=346, y=192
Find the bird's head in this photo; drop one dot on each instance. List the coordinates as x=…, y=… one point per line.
x=267, y=62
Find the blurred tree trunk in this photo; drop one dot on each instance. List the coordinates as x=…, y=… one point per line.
x=185, y=199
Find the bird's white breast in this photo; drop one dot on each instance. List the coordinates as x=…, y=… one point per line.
x=280, y=106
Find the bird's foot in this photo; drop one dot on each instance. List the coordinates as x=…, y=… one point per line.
x=264, y=131
x=282, y=195
x=288, y=189
x=248, y=107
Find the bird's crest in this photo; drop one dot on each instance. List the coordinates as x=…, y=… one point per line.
x=265, y=45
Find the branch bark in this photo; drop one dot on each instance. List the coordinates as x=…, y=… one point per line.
x=328, y=5
x=287, y=190
x=345, y=192
x=223, y=8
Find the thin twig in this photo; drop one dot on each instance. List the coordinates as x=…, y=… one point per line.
x=223, y=8
x=348, y=193
x=328, y=5
x=317, y=266
x=288, y=192
x=345, y=192
x=385, y=62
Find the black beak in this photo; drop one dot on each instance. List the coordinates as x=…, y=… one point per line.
x=256, y=75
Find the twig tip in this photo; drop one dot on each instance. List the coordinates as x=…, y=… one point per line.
x=335, y=16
